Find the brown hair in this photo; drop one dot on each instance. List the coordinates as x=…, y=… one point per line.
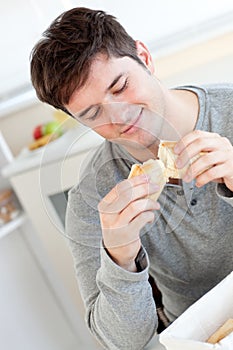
x=61, y=60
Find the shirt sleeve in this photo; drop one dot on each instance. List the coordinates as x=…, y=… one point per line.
x=120, y=309
x=224, y=193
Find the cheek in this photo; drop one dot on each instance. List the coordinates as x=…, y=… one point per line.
x=139, y=92
x=105, y=130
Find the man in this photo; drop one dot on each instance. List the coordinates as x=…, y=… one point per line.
x=88, y=66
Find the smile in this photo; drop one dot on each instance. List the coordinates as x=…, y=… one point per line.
x=130, y=129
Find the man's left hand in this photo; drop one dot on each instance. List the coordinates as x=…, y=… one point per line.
x=216, y=164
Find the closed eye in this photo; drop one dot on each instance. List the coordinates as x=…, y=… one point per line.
x=122, y=88
x=95, y=115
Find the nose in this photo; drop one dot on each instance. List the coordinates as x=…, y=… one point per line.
x=120, y=112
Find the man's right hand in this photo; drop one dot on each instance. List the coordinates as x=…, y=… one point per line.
x=123, y=212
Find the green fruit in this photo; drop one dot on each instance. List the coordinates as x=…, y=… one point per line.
x=52, y=127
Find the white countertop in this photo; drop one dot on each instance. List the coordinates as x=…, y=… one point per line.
x=73, y=141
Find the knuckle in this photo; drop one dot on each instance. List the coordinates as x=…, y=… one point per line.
x=148, y=215
x=138, y=205
x=199, y=141
x=197, y=132
x=212, y=173
x=151, y=203
x=133, y=206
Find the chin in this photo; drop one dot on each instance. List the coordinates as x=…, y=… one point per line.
x=138, y=143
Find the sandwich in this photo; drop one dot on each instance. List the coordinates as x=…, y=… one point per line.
x=163, y=168
x=156, y=171
x=167, y=155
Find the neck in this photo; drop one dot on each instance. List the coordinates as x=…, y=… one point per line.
x=182, y=108
x=143, y=154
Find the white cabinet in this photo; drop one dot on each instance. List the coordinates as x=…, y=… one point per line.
x=31, y=316
x=40, y=188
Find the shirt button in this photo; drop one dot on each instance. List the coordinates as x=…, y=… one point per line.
x=180, y=192
x=193, y=201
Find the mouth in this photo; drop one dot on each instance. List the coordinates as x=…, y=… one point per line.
x=130, y=129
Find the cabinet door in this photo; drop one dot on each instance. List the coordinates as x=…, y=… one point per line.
x=34, y=189
x=31, y=316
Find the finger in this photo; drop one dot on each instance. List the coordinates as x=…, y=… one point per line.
x=140, y=191
x=214, y=173
x=197, y=147
x=127, y=184
x=220, y=180
x=191, y=137
x=128, y=196
x=123, y=219
x=142, y=219
x=204, y=163
x=136, y=208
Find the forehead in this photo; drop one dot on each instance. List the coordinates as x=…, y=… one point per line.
x=104, y=68
x=103, y=71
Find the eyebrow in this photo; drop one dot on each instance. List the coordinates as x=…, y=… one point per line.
x=80, y=115
x=114, y=82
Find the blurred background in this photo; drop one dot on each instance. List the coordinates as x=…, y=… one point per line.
x=191, y=43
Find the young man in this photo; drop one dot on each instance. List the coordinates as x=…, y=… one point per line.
x=88, y=66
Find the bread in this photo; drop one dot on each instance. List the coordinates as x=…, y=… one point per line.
x=157, y=172
x=221, y=332
x=160, y=170
x=168, y=157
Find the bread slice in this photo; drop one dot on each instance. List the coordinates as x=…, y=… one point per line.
x=221, y=332
x=167, y=155
x=156, y=171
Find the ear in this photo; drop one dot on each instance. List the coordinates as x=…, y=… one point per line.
x=144, y=55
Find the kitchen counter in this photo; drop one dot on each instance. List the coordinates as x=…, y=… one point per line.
x=73, y=141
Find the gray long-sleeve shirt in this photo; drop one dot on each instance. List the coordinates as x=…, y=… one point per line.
x=189, y=247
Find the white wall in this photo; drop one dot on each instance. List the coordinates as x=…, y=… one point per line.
x=207, y=62
x=26, y=20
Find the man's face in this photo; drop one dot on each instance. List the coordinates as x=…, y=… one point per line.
x=121, y=100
